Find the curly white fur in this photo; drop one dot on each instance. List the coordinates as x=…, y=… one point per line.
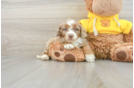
x=78, y=42
x=43, y=57
x=90, y=58
x=70, y=31
x=68, y=46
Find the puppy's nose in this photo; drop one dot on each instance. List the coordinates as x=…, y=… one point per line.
x=70, y=35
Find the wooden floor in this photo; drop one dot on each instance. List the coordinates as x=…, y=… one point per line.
x=29, y=72
x=26, y=25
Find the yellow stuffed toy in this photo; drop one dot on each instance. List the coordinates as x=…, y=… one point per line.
x=111, y=24
x=109, y=37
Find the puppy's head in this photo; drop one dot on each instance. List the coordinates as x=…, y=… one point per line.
x=71, y=31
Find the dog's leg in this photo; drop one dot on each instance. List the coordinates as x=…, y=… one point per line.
x=68, y=46
x=45, y=55
x=89, y=55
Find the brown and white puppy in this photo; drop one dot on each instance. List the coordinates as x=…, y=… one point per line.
x=72, y=34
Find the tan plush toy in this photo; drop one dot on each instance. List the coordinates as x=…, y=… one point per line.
x=58, y=52
x=109, y=37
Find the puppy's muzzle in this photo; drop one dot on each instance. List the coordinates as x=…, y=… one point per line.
x=70, y=36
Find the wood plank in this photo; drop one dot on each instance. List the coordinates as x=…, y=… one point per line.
x=111, y=72
x=29, y=72
x=27, y=36
x=73, y=9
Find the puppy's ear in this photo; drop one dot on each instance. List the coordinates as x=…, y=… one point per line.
x=68, y=19
x=83, y=31
x=59, y=30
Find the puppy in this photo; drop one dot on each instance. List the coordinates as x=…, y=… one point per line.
x=72, y=34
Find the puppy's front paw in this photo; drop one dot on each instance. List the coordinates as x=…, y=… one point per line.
x=43, y=57
x=90, y=58
x=68, y=46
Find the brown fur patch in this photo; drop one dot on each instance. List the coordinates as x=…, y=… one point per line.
x=102, y=44
x=128, y=37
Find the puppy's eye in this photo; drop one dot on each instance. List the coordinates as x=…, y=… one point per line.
x=65, y=29
x=76, y=29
